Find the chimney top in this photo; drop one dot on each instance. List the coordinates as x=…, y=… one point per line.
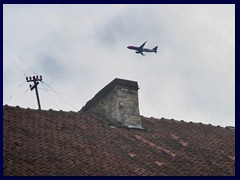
x=117, y=102
x=105, y=91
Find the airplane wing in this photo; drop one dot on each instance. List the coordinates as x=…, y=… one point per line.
x=141, y=47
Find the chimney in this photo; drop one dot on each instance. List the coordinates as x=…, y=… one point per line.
x=117, y=102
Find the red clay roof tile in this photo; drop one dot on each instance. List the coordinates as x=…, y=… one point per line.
x=79, y=143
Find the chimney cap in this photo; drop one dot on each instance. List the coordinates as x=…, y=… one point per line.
x=133, y=85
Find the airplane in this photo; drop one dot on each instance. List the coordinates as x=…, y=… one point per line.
x=140, y=49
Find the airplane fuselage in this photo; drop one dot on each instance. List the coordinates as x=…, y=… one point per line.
x=141, y=49
x=147, y=50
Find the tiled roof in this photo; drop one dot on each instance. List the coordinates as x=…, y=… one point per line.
x=81, y=143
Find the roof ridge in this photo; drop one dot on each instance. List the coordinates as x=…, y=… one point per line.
x=232, y=128
x=189, y=122
x=42, y=110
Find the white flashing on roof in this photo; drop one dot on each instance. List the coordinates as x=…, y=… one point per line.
x=134, y=127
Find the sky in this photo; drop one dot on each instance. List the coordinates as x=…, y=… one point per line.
x=78, y=49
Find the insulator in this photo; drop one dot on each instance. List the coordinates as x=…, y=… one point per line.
x=34, y=77
x=40, y=76
x=30, y=85
x=37, y=77
x=30, y=78
x=27, y=78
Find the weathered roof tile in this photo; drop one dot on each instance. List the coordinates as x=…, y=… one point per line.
x=80, y=143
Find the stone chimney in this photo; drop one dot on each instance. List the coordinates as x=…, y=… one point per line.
x=117, y=102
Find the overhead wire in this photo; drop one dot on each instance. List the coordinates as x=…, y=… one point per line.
x=15, y=64
x=23, y=93
x=63, y=94
x=26, y=91
x=20, y=69
x=59, y=95
x=54, y=92
x=15, y=91
x=18, y=55
x=49, y=95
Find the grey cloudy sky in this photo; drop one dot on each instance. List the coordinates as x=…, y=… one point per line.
x=78, y=49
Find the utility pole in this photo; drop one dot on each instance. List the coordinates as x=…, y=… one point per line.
x=35, y=80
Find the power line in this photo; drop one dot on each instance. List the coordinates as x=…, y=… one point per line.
x=15, y=91
x=59, y=95
x=63, y=94
x=17, y=99
x=26, y=91
x=54, y=92
x=49, y=95
x=18, y=55
x=15, y=64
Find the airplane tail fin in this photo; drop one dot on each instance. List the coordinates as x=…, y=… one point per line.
x=155, y=49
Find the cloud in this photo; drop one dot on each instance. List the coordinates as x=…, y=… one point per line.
x=81, y=48
x=50, y=66
x=137, y=23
